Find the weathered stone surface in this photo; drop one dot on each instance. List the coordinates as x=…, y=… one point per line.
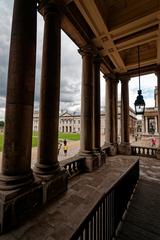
x=143, y=216
x=83, y=192
x=55, y=186
x=112, y=151
x=16, y=206
x=158, y=153
x=61, y=217
x=124, y=149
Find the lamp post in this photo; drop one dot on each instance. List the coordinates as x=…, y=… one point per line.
x=139, y=102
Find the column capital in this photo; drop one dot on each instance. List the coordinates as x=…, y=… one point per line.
x=124, y=78
x=47, y=9
x=116, y=80
x=97, y=58
x=157, y=71
x=86, y=50
x=109, y=76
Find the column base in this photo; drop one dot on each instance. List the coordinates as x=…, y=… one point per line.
x=17, y=204
x=158, y=153
x=106, y=148
x=54, y=181
x=112, y=149
x=100, y=155
x=91, y=161
x=124, y=149
x=55, y=185
x=8, y=183
x=45, y=171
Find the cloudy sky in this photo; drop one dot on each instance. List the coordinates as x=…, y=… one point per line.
x=70, y=71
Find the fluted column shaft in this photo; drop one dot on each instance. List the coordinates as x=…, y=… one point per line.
x=124, y=110
x=96, y=104
x=87, y=100
x=16, y=159
x=50, y=92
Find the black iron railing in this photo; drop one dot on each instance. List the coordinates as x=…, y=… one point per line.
x=103, y=220
x=144, y=151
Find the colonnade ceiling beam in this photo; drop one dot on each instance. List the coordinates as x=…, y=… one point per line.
x=61, y=2
x=72, y=31
x=114, y=29
x=144, y=70
x=136, y=26
x=158, y=45
x=143, y=64
x=94, y=19
x=138, y=40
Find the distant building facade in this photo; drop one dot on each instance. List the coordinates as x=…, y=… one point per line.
x=132, y=120
x=35, y=121
x=150, y=118
x=71, y=123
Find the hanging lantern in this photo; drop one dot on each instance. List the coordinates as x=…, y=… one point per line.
x=139, y=102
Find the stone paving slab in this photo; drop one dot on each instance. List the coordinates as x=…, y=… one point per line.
x=143, y=216
x=59, y=219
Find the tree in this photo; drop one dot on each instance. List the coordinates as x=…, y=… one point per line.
x=1, y=124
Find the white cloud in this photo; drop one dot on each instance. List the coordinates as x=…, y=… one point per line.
x=2, y=113
x=148, y=83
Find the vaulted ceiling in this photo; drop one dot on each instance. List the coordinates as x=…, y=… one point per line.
x=115, y=28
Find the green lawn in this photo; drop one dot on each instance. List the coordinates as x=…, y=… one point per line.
x=1, y=141
x=34, y=141
x=69, y=136
x=62, y=136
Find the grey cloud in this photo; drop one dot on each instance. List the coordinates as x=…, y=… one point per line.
x=5, y=30
x=70, y=62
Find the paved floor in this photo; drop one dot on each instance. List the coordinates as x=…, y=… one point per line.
x=73, y=148
x=59, y=219
x=142, y=220
x=64, y=215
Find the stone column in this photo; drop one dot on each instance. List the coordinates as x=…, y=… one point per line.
x=115, y=94
x=19, y=193
x=158, y=89
x=16, y=160
x=146, y=124
x=156, y=128
x=96, y=104
x=107, y=111
x=124, y=147
x=143, y=124
x=47, y=166
x=97, y=111
x=86, y=141
x=112, y=126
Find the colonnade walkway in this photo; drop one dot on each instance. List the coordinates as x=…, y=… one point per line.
x=59, y=219
x=142, y=219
